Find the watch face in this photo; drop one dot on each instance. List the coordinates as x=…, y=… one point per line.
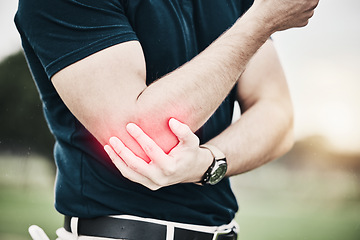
x=218, y=172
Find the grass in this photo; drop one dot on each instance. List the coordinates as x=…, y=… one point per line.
x=280, y=219
x=21, y=208
x=268, y=219
x=273, y=206
x=277, y=204
x=26, y=197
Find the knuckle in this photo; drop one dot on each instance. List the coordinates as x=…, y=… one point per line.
x=160, y=182
x=154, y=187
x=196, y=141
x=305, y=23
x=312, y=13
x=312, y=5
x=191, y=138
x=137, y=134
x=169, y=171
x=126, y=174
x=184, y=130
x=118, y=150
x=148, y=148
x=315, y=3
x=132, y=166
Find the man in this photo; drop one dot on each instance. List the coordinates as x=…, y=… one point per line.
x=140, y=77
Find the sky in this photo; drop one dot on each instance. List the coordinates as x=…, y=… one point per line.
x=321, y=62
x=9, y=40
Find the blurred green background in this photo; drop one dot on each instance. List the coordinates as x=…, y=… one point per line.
x=313, y=192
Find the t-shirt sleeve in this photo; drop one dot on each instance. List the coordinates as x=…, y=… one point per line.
x=62, y=32
x=246, y=4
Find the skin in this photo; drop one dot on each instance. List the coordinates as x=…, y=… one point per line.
x=107, y=90
x=261, y=90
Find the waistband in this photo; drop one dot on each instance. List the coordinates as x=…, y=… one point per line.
x=138, y=228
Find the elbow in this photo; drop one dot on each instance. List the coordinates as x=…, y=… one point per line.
x=289, y=141
x=288, y=138
x=284, y=133
x=284, y=144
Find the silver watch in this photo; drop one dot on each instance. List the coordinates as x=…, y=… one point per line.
x=216, y=172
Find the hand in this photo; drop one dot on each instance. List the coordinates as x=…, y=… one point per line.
x=186, y=162
x=284, y=14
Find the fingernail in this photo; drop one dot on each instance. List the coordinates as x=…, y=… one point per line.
x=131, y=127
x=174, y=122
x=114, y=141
x=107, y=149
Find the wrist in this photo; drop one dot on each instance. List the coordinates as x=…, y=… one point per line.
x=217, y=170
x=262, y=24
x=206, y=159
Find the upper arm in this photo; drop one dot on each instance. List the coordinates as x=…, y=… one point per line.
x=101, y=89
x=102, y=92
x=263, y=79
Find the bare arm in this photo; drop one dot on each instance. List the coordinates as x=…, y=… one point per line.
x=107, y=90
x=265, y=129
x=263, y=132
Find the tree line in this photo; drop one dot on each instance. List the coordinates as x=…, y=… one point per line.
x=23, y=129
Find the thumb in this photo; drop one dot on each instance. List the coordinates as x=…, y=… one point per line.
x=183, y=132
x=37, y=233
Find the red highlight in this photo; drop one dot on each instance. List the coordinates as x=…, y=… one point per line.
x=155, y=124
x=161, y=134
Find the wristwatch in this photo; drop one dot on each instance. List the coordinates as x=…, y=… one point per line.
x=216, y=172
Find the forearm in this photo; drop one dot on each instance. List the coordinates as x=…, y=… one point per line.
x=262, y=134
x=201, y=84
x=255, y=147
x=264, y=130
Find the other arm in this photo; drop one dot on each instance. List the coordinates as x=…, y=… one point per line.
x=265, y=128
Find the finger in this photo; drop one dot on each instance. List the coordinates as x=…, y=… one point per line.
x=152, y=150
x=126, y=155
x=112, y=154
x=131, y=160
x=183, y=133
x=37, y=233
x=121, y=150
x=125, y=170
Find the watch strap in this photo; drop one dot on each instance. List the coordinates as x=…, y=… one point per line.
x=217, y=155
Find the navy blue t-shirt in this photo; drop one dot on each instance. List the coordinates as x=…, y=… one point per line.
x=58, y=33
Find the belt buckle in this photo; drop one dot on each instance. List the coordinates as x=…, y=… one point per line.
x=225, y=235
